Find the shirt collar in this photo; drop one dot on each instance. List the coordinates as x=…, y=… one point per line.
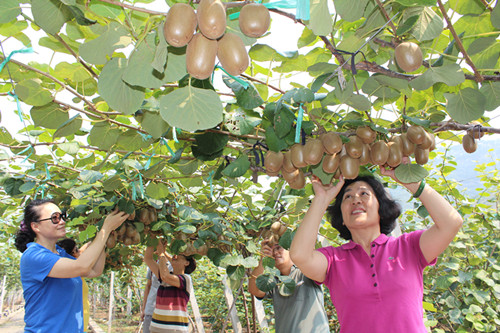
x=381, y=239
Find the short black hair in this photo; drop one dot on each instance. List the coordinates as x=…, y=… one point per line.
x=388, y=210
x=68, y=245
x=25, y=234
x=192, y=265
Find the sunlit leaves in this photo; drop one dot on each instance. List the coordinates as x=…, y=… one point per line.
x=49, y=115
x=451, y=75
x=69, y=127
x=349, y=12
x=103, y=135
x=321, y=21
x=491, y=90
x=50, y=15
x=466, y=105
x=33, y=93
x=410, y=173
x=428, y=26
x=9, y=9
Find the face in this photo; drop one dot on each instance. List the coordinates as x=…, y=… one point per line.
x=281, y=256
x=360, y=207
x=49, y=213
x=179, y=262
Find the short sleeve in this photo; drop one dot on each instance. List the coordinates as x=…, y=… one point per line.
x=36, y=263
x=413, y=239
x=148, y=274
x=328, y=253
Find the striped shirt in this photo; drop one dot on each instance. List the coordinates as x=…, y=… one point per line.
x=170, y=313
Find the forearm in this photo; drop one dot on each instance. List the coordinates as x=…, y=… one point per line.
x=99, y=265
x=252, y=284
x=90, y=256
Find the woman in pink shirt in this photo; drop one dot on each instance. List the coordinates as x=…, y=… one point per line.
x=375, y=281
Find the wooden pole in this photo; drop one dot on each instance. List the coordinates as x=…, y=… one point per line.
x=231, y=302
x=129, y=301
x=3, y=294
x=196, y=310
x=111, y=301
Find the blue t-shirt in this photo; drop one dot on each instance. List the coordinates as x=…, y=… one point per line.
x=51, y=304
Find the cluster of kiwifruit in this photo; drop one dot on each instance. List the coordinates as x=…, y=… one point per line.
x=344, y=159
x=469, y=140
x=127, y=234
x=272, y=236
x=408, y=56
x=212, y=40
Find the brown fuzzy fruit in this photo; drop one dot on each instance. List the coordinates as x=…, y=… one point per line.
x=275, y=227
x=282, y=230
x=354, y=147
x=287, y=162
x=349, y=167
x=180, y=24
x=273, y=161
x=331, y=163
x=408, y=146
x=476, y=130
x=254, y=19
x=144, y=216
x=416, y=134
x=366, y=134
x=211, y=16
x=290, y=176
x=408, y=56
x=428, y=141
x=395, y=155
x=379, y=152
x=365, y=157
x=200, y=56
x=331, y=142
x=313, y=151
x=297, y=155
x=469, y=143
x=232, y=54
x=421, y=155
x=299, y=182
x=111, y=242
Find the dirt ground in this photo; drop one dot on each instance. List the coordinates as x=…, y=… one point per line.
x=13, y=323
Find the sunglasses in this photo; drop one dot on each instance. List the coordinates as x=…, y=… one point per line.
x=55, y=218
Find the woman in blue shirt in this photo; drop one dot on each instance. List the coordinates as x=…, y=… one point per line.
x=51, y=278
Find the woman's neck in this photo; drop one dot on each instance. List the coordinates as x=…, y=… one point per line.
x=365, y=238
x=48, y=244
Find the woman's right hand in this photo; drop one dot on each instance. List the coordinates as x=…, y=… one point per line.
x=328, y=192
x=115, y=219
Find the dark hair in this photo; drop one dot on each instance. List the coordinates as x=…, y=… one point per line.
x=388, y=210
x=25, y=234
x=192, y=265
x=68, y=245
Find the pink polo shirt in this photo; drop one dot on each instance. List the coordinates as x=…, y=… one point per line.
x=381, y=292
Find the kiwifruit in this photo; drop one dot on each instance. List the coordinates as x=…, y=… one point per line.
x=153, y=215
x=211, y=18
x=144, y=216
x=365, y=157
x=111, y=242
x=287, y=162
x=408, y=146
x=121, y=231
x=433, y=144
x=254, y=19
x=180, y=24
x=469, y=143
x=395, y=154
x=396, y=139
x=275, y=227
x=331, y=163
x=202, y=250
x=297, y=155
x=416, y=134
x=299, y=182
x=379, y=152
x=136, y=238
x=408, y=56
x=290, y=176
x=200, y=56
x=354, y=147
x=476, y=130
x=273, y=161
x=272, y=174
x=366, y=134
x=130, y=231
x=427, y=143
x=331, y=142
x=282, y=230
x=313, y=151
x=421, y=155
x=127, y=241
x=131, y=217
x=349, y=167
x=232, y=54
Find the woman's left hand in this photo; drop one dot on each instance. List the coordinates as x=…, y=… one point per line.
x=389, y=171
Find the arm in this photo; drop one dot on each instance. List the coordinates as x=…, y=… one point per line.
x=171, y=279
x=311, y=262
x=257, y=271
x=147, y=289
x=99, y=265
x=447, y=221
x=68, y=268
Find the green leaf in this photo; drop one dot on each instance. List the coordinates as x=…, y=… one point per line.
x=161, y=51
x=466, y=105
x=266, y=282
x=286, y=239
x=70, y=148
x=429, y=307
x=80, y=16
x=112, y=184
x=176, y=65
x=317, y=170
x=50, y=15
x=247, y=98
x=106, y=9
x=283, y=121
x=450, y=75
x=359, y=102
x=11, y=186
x=235, y=272
x=26, y=187
x=237, y=167
x=157, y=190
x=104, y=136
x=98, y=50
x=347, y=11
x=49, y=115
x=429, y=24
x=467, y=7
x=484, y=52
x=321, y=21
x=412, y=3
x=287, y=286
x=139, y=70
x=491, y=90
x=263, y=52
x=119, y=95
x=90, y=176
x=273, y=141
x=9, y=10
x=407, y=25
x=495, y=16
x=209, y=143
x=191, y=108
x=153, y=123
x=410, y=173
x=32, y=92
x=69, y=127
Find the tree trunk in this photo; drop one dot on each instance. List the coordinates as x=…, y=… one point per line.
x=3, y=294
x=111, y=301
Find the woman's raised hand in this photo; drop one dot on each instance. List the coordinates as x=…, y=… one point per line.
x=115, y=219
x=328, y=192
x=388, y=171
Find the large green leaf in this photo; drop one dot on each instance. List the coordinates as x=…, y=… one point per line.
x=90, y=176
x=484, y=52
x=49, y=115
x=153, y=123
x=410, y=173
x=70, y=148
x=411, y=3
x=237, y=168
x=428, y=26
x=9, y=10
x=491, y=90
x=321, y=22
x=191, y=108
x=176, y=64
x=161, y=51
x=247, y=96
x=74, y=72
x=466, y=105
x=347, y=11
x=97, y=51
x=50, y=15
x=69, y=127
x=450, y=75
x=102, y=135
x=119, y=95
x=139, y=70
x=495, y=15
x=467, y=7
x=157, y=190
x=32, y=92
x=273, y=141
x=266, y=282
x=106, y=9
